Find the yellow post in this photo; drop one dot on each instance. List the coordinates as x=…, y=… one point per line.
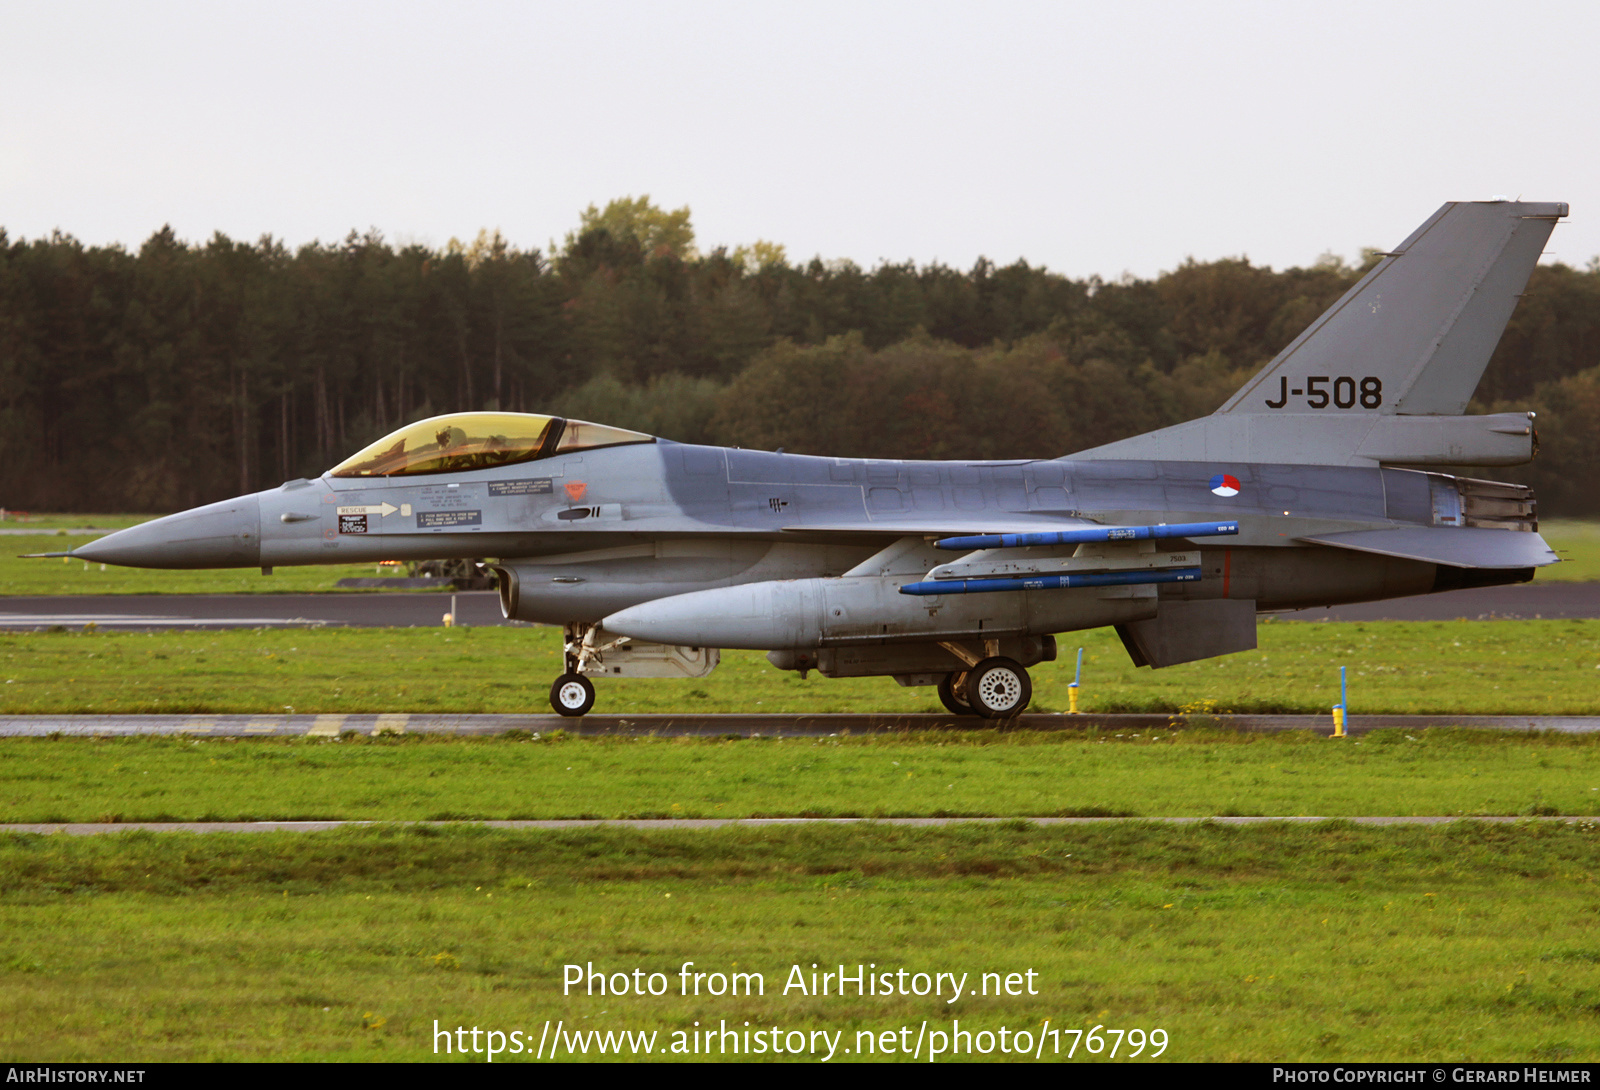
x=1340, y=708
x=1072, y=700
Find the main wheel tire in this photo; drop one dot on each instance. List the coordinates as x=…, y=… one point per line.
x=998, y=688
x=572, y=694
x=953, y=694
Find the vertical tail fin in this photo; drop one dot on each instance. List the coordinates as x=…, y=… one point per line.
x=1423, y=323
x=1384, y=374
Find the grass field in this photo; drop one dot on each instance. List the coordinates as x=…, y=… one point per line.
x=1265, y=943
x=1151, y=774
x=1330, y=942
x=1578, y=543
x=47, y=522
x=1454, y=667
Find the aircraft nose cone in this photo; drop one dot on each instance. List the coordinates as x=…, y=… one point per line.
x=218, y=535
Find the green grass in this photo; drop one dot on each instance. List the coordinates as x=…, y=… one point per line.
x=1276, y=943
x=1578, y=544
x=51, y=522
x=1154, y=773
x=1451, y=667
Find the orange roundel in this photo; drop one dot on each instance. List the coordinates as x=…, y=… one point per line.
x=576, y=490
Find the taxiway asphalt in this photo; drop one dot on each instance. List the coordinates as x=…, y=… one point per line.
x=734, y=725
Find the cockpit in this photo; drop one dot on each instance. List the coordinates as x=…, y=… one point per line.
x=465, y=441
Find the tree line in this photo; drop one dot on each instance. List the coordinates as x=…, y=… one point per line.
x=183, y=373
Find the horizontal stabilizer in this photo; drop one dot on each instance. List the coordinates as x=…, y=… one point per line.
x=1460, y=547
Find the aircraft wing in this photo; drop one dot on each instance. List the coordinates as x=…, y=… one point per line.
x=1457, y=546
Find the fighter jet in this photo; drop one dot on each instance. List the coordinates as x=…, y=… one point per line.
x=1320, y=482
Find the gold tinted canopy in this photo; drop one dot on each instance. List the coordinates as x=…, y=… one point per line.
x=465, y=441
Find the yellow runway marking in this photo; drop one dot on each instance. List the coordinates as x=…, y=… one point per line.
x=326, y=726
x=263, y=726
x=197, y=726
x=391, y=723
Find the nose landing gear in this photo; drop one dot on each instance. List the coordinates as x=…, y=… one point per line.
x=572, y=694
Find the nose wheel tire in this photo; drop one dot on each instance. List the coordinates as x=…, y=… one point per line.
x=572, y=694
x=953, y=694
x=998, y=688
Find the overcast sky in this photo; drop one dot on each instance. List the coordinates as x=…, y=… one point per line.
x=1087, y=137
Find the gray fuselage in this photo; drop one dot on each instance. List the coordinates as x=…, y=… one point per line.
x=584, y=535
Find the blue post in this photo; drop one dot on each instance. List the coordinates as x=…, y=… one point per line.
x=1072, y=690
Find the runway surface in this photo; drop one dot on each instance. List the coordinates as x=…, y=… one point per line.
x=733, y=726
x=144, y=612
x=96, y=828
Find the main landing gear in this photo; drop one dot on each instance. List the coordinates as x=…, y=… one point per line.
x=995, y=688
x=953, y=694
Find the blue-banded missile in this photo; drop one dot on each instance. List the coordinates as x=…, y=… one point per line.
x=1089, y=533
x=1051, y=582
